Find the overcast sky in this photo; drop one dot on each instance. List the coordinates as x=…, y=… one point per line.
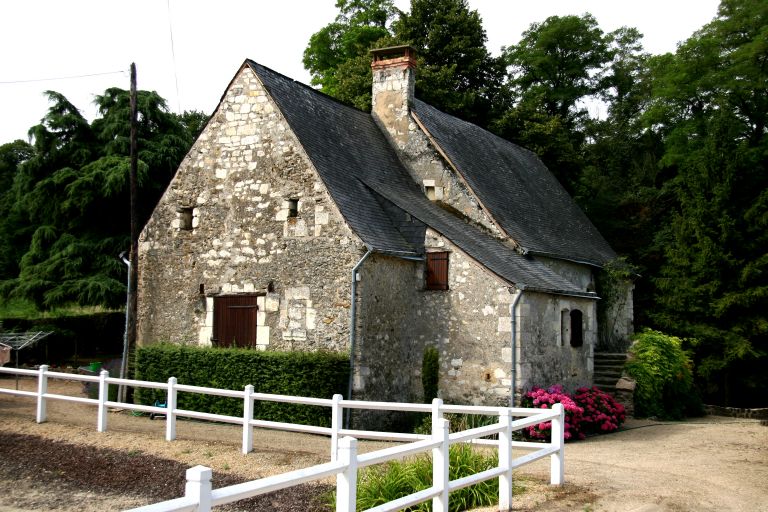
x=50, y=39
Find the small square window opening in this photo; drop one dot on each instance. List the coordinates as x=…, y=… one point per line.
x=293, y=208
x=185, y=218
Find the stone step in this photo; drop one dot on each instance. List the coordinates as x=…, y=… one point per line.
x=605, y=382
x=599, y=375
x=606, y=368
x=607, y=356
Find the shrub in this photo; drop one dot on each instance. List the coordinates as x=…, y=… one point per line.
x=395, y=479
x=602, y=413
x=589, y=411
x=312, y=374
x=663, y=372
x=430, y=368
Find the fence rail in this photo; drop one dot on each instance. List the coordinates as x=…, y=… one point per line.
x=345, y=461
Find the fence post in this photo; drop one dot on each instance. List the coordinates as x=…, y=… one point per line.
x=440, y=464
x=505, y=460
x=170, y=405
x=42, y=388
x=557, y=459
x=103, y=394
x=247, y=417
x=336, y=416
x=346, y=481
x=437, y=411
x=198, y=487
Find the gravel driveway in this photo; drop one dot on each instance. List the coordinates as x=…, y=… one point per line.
x=712, y=463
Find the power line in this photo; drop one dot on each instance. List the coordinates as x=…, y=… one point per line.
x=173, y=55
x=61, y=77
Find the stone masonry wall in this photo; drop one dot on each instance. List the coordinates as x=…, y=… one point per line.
x=469, y=324
x=545, y=354
x=225, y=226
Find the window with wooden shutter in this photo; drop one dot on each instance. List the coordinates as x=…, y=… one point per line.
x=437, y=271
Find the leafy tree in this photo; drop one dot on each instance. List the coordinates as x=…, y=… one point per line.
x=337, y=55
x=711, y=105
x=556, y=65
x=456, y=72
x=558, y=62
x=70, y=215
x=11, y=156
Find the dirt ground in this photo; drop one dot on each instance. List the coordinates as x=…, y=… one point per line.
x=705, y=464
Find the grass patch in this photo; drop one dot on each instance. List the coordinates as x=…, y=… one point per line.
x=395, y=479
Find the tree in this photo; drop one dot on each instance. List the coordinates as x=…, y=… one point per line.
x=620, y=186
x=559, y=62
x=456, y=72
x=337, y=55
x=70, y=210
x=711, y=105
x=12, y=155
x=556, y=65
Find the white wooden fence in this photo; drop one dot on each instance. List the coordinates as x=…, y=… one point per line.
x=345, y=461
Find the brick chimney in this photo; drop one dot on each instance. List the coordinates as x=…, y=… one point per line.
x=393, y=83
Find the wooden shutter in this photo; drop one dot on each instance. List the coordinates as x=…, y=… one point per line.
x=437, y=271
x=234, y=321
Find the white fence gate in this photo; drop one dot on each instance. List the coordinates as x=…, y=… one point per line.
x=344, y=459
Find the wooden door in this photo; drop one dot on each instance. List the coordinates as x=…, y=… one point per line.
x=234, y=321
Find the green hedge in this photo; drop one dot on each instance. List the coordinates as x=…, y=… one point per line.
x=312, y=374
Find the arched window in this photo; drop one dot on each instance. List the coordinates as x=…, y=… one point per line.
x=577, y=329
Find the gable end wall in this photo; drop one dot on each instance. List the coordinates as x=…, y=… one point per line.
x=236, y=181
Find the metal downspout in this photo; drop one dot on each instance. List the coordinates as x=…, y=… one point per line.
x=518, y=294
x=122, y=389
x=352, y=329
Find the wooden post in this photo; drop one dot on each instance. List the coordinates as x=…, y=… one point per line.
x=557, y=459
x=101, y=421
x=199, y=487
x=346, y=481
x=129, y=343
x=336, y=416
x=440, y=465
x=170, y=406
x=42, y=389
x=247, y=417
x=505, y=460
x=134, y=268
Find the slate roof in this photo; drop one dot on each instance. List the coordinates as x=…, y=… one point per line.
x=373, y=191
x=519, y=191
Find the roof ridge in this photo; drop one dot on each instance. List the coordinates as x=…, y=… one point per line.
x=253, y=63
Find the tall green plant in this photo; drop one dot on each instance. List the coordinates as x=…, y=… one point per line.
x=383, y=483
x=663, y=371
x=430, y=373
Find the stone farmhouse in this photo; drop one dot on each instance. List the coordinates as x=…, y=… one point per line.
x=298, y=223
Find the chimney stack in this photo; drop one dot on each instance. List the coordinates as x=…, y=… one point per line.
x=392, y=94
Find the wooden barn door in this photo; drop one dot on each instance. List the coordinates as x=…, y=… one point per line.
x=234, y=321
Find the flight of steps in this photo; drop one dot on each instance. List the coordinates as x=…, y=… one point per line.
x=608, y=368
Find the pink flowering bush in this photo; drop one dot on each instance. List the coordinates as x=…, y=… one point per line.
x=589, y=411
x=545, y=399
x=602, y=414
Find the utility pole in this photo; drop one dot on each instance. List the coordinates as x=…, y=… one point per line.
x=131, y=305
